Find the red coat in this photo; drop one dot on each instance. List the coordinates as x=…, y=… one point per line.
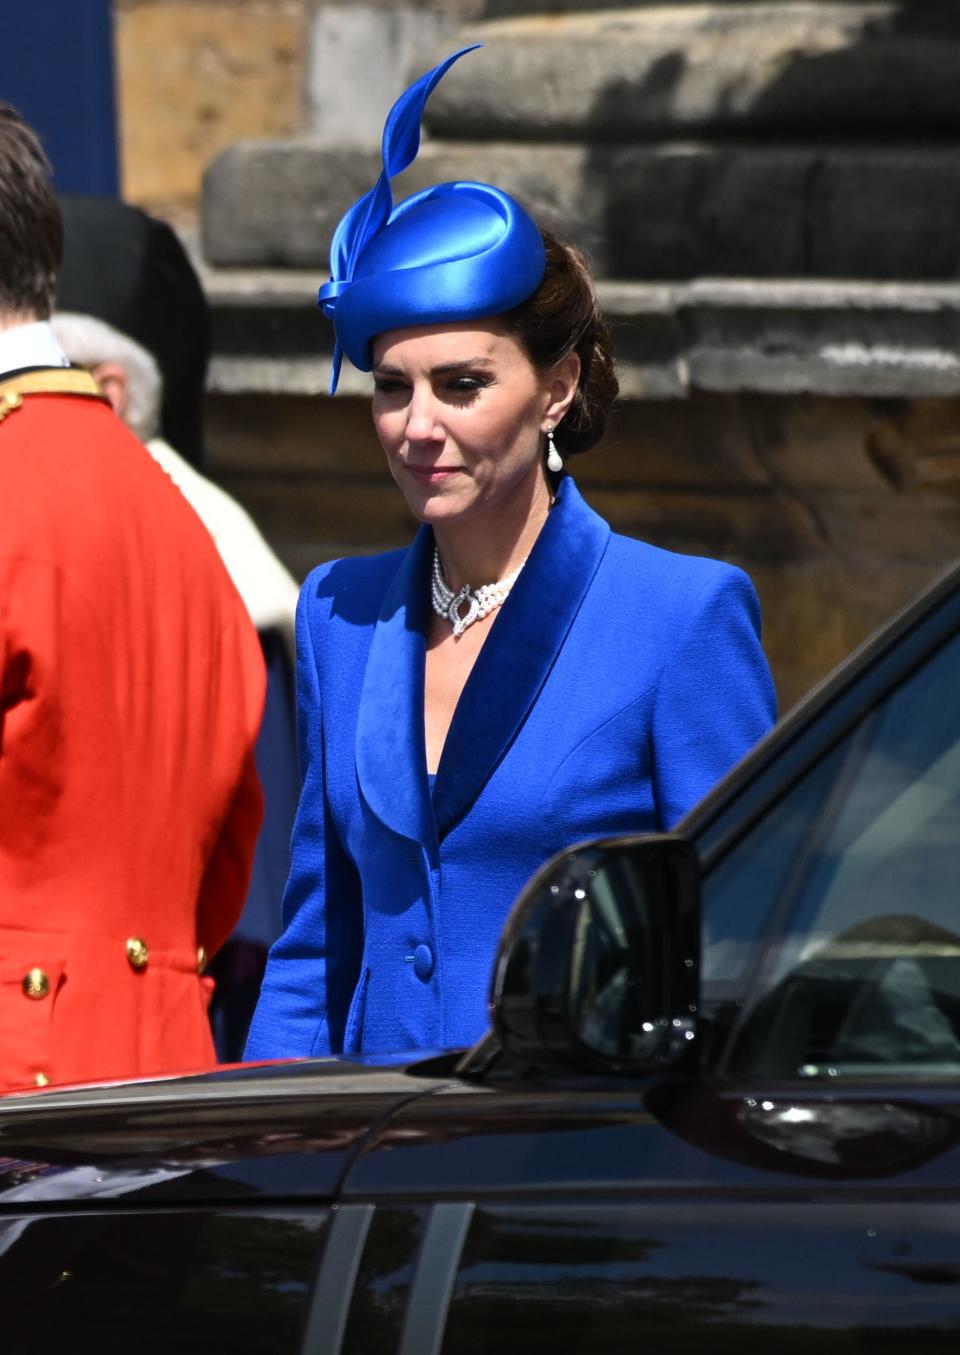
x=129, y=804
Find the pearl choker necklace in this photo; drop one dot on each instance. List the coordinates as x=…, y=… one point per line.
x=479, y=601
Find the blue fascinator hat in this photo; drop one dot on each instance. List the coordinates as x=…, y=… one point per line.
x=457, y=251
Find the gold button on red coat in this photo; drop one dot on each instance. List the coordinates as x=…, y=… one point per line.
x=201, y=959
x=36, y=984
x=41, y=1080
x=137, y=952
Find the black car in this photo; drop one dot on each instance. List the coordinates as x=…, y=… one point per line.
x=718, y=1110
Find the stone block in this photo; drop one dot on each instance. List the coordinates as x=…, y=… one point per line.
x=672, y=70
x=888, y=530
x=277, y=203
x=678, y=211
x=890, y=212
x=701, y=443
x=510, y=9
x=350, y=41
x=817, y=611
x=293, y=436
x=811, y=443
x=916, y=444
x=732, y=525
x=650, y=341
x=653, y=212
x=359, y=46
x=771, y=211
x=374, y=516
x=879, y=340
x=192, y=78
x=637, y=212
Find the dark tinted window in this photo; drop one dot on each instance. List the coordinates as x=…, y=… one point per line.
x=852, y=881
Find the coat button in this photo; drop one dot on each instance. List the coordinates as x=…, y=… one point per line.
x=41, y=1080
x=35, y=983
x=201, y=959
x=137, y=952
x=423, y=962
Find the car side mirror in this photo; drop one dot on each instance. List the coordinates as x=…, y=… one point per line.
x=598, y=966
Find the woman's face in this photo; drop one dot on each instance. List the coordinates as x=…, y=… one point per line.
x=460, y=410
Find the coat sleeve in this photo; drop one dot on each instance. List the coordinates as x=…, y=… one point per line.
x=715, y=698
x=312, y=968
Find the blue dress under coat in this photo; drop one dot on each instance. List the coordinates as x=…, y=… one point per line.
x=617, y=683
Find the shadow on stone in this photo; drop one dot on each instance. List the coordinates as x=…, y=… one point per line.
x=842, y=165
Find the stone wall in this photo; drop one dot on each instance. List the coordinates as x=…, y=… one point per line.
x=195, y=76
x=769, y=190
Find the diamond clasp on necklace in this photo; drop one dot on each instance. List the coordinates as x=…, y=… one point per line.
x=480, y=601
x=461, y=622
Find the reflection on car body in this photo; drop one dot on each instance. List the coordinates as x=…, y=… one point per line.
x=718, y=1109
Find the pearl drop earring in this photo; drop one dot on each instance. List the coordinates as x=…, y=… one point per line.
x=554, y=459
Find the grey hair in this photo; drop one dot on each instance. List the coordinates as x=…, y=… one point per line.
x=88, y=341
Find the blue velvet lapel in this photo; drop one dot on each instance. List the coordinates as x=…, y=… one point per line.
x=390, y=746
x=519, y=652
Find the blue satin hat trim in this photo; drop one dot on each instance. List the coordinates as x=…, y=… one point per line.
x=457, y=251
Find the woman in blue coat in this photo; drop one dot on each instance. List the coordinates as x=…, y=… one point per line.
x=517, y=679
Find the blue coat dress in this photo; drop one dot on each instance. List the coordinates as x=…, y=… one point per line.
x=618, y=682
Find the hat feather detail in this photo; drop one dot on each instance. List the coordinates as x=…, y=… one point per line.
x=368, y=216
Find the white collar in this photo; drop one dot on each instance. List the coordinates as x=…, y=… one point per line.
x=30, y=345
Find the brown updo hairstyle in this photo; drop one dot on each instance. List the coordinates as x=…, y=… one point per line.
x=561, y=317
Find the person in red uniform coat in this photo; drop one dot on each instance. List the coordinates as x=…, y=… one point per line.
x=132, y=689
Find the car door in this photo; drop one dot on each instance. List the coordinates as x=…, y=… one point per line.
x=802, y=1184
x=188, y=1215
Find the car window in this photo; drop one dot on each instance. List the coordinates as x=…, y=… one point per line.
x=832, y=929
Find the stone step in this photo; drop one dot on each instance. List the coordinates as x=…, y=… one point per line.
x=768, y=68
x=879, y=340
x=671, y=211
x=510, y=9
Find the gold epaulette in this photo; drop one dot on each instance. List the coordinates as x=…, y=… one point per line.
x=47, y=381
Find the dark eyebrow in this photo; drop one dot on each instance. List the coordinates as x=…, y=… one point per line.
x=385, y=369
x=445, y=367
